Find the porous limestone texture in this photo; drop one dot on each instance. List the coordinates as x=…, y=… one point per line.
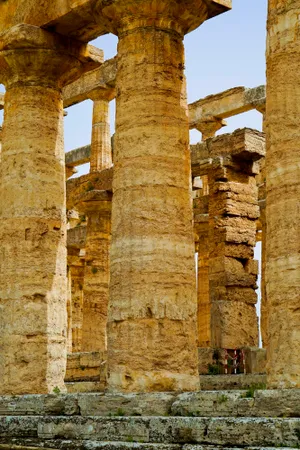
x=34, y=66
x=152, y=313
x=220, y=431
x=97, y=206
x=101, y=157
x=283, y=194
x=76, y=269
x=233, y=211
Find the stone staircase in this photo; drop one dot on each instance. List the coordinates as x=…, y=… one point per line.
x=204, y=420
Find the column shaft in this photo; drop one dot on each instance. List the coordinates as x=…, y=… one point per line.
x=96, y=278
x=101, y=157
x=35, y=64
x=283, y=193
x=33, y=241
x=152, y=316
x=233, y=210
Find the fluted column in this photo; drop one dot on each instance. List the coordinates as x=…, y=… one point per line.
x=152, y=314
x=35, y=65
x=101, y=157
x=283, y=193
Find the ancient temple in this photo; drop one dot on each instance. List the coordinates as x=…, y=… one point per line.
x=128, y=295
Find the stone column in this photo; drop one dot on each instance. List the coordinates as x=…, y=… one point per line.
x=261, y=179
x=283, y=193
x=35, y=65
x=97, y=208
x=208, y=127
x=76, y=267
x=101, y=157
x=233, y=212
x=152, y=315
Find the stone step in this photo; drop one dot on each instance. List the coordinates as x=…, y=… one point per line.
x=251, y=403
x=219, y=431
x=232, y=382
x=95, y=445
x=77, y=387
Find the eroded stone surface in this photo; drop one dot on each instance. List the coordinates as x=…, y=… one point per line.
x=283, y=193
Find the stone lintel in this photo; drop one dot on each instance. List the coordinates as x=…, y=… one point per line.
x=86, y=184
x=243, y=144
x=102, y=79
x=226, y=104
x=71, y=18
x=78, y=156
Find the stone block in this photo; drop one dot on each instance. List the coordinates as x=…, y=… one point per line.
x=205, y=357
x=231, y=382
x=256, y=359
x=84, y=366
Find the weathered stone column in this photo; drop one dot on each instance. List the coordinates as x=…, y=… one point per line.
x=152, y=314
x=97, y=207
x=233, y=211
x=101, y=157
x=283, y=193
x=208, y=128
x=34, y=66
x=76, y=267
x=261, y=181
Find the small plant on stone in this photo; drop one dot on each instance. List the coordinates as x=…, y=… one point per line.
x=94, y=270
x=222, y=398
x=120, y=412
x=56, y=390
x=251, y=391
x=130, y=439
x=213, y=369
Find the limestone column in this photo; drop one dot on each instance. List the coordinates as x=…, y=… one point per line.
x=208, y=127
x=35, y=65
x=152, y=313
x=76, y=267
x=101, y=157
x=97, y=207
x=262, y=204
x=283, y=193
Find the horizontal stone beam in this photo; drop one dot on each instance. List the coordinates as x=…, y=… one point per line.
x=78, y=156
x=244, y=144
x=226, y=104
x=102, y=78
x=77, y=19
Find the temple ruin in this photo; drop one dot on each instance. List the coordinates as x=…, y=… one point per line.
x=128, y=295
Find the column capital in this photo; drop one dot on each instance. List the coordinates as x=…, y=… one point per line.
x=102, y=94
x=165, y=14
x=32, y=56
x=208, y=126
